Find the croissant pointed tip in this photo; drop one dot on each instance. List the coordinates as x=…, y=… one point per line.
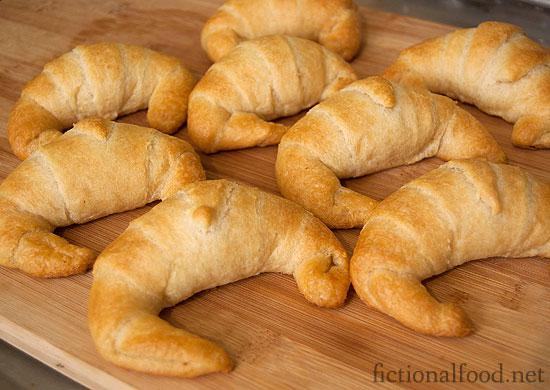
x=225, y=363
x=46, y=255
x=532, y=132
x=453, y=322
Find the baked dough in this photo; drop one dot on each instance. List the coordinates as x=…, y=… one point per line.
x=334, y=24
x=95, y=169
x=101, y=79
x=495, y=67
x=464, y=210
x=369, y=126
x=208, y=234
x=260, y=80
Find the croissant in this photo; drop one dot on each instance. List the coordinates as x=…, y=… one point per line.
x=261, y=80
x=369, y=126
x=464, y=210
x=208, y=234
x=334, y=24
x=495, y=67
x=95, y=169
x=103, y=79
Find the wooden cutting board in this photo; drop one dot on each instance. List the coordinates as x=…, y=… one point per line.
x=275, y=338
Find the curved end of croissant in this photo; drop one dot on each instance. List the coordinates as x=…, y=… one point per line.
x=127, y=332
x=342, y=34
x=307, y=181
x=150, y=345
x=27, y=243
x=205, y=121
x=324, y=280
x=29, y=126
x=186, y=169
x=168, y=104
x=184, y=165
x=405, y=298
x=47, y=255
x=218, y=43
x=532, y=132
x=466, y=137
x=355, y=209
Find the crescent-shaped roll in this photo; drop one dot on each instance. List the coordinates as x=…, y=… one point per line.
x=334, y=24
x=101, y=79
x=208, y=234
x=464, y=210
x=493, y=66
x=95, y=169
x=369, y=126
x=261, y=80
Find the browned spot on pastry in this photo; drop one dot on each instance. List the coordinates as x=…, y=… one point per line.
x=203, y=216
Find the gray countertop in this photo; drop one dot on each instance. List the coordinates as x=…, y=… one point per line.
x=532, y=15
x=19, y=371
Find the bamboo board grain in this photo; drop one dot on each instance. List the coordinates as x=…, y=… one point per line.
x=275, y=338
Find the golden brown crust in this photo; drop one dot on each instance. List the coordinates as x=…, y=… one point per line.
x=369, y=126
x=102, y=79
x=495, y=67
x=208, y=234
x=261, y=80
x=95, y=169
x=462, y=211
x=334, y=24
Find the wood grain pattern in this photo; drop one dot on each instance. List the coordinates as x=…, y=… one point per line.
x=276, y=339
